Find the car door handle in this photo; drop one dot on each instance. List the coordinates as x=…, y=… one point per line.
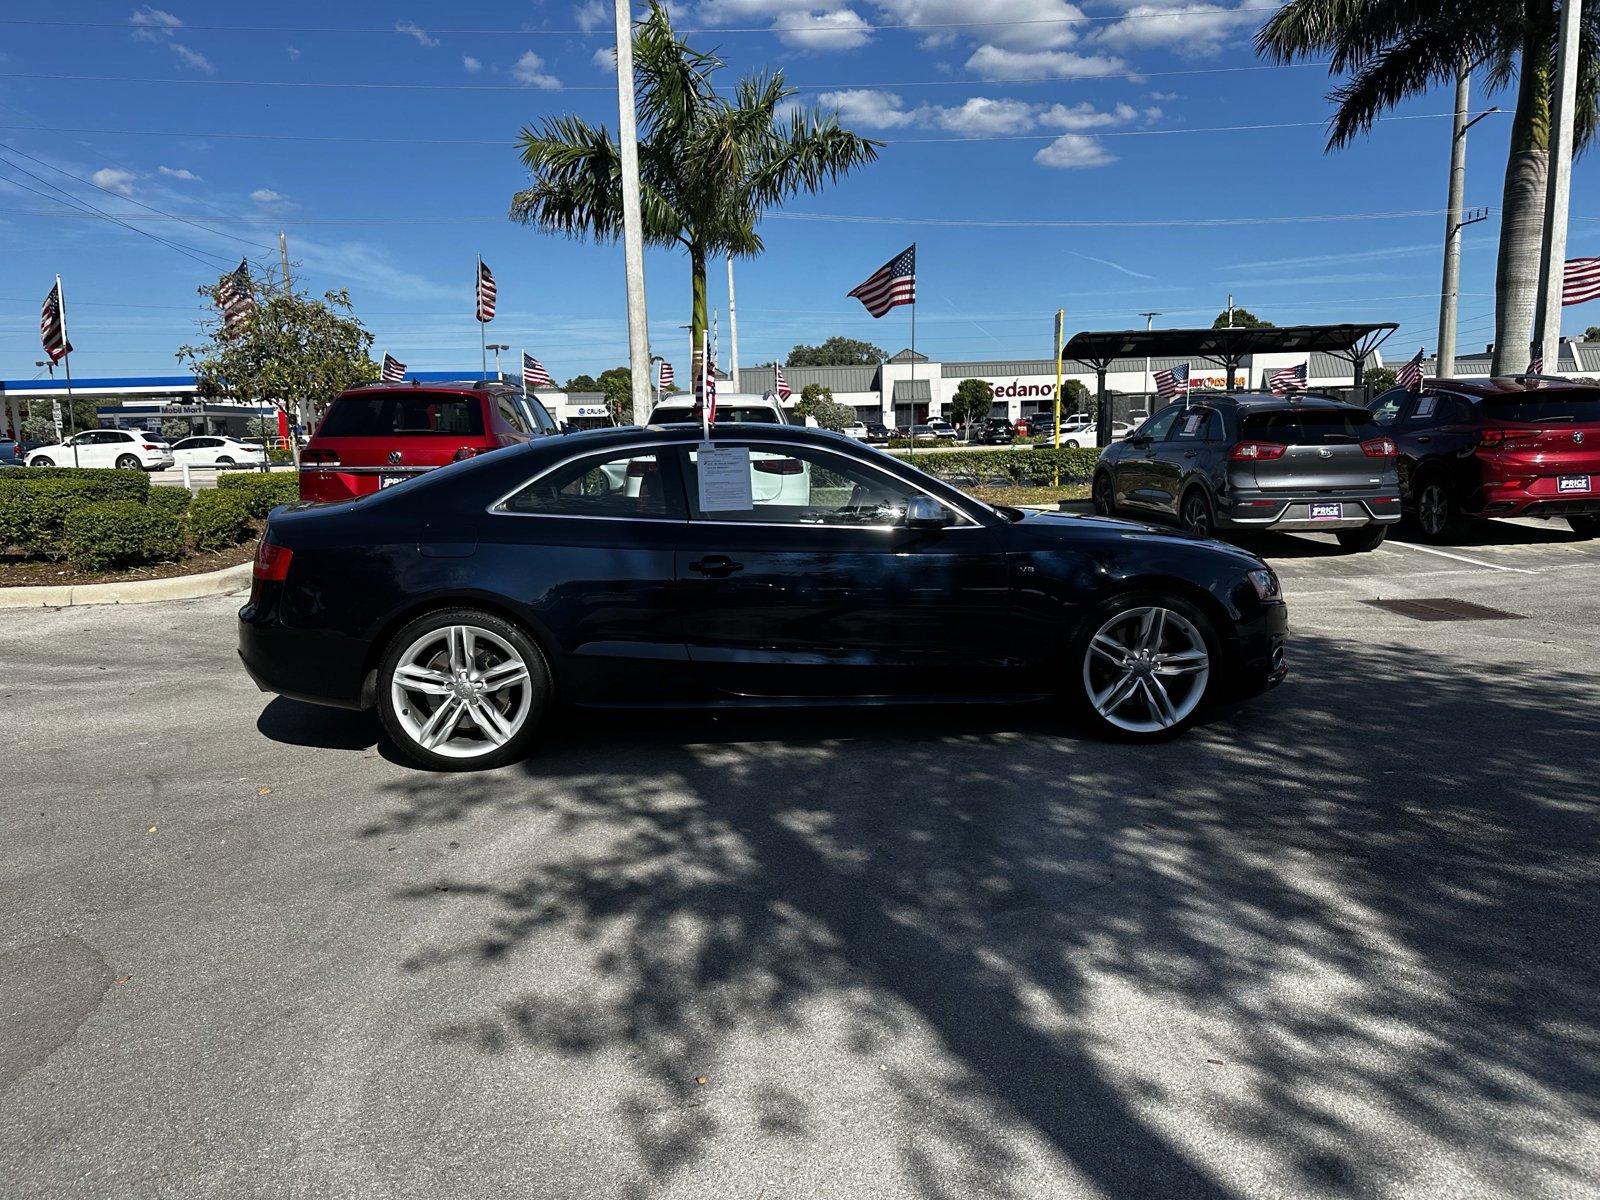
x=1191, y=454
x=716, y=566
x=1424, y=438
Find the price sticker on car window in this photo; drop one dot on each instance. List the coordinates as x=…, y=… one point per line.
x=725, y=484
x=1425, y=407
x=1191, y=424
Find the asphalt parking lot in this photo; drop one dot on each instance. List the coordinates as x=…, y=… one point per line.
x=1338, y=942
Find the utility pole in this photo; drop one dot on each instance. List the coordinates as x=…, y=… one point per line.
x=283, y=255
x=1454, y=222
x=632, y=224
x=733, y=332
x=1149, y=319
x=1564, y=105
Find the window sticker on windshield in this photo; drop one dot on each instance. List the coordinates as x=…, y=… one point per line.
x=1425, y=406
x=1191, y=424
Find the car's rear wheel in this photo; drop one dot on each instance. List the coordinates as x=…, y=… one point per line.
x=1105, y=502
x=462, y=690
x=1585, y=526
x=41, y=460
x=1438, y=519
x=1368, y=537
x=224, y=461
x=1143, y=667
x=1195, y=513
x=129, y=462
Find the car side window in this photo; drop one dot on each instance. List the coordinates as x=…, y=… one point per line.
x=799, y=485
x=1387, y=407
x=1423, y=411
x=1158, y=426
x=630, y=484
x=541, y=416
x=511, y=416
x=1196, y=425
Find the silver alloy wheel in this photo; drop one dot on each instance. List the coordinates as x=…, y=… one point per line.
x=128, y=463
x=461, y=691
x=1146, y=669
x=1433, y=509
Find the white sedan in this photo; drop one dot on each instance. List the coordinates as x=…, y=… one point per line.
x=217, y=451
x=132, y=449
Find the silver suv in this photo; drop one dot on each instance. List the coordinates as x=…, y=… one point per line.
x=1248, y=460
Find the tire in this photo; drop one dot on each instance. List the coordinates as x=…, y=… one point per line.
x=1585, y=526
x=224, y=461
x=1195, y=514
x=1438, y=519
x=1368, y=537
x=447, y=661
x=1143, y=641
x=41, y=460
x=1069, y=444
x=128, y=462
x=1103, y=494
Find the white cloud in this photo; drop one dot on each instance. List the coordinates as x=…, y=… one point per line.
x=1019, y=24
x=193, y=57
x=592, y=14
x=113, y=179
x=1163, y=95
x=993, y=62
x=179, y=173
x=606, y=59
x=1078, y=117
x=841, y=29
x=1196, y=31
x=979, y=116
x=152, y=23
x=268, y=196
x=472, y=65
x=867, y=108
x=412, y=29
x=1074, y=150
x=529, y=72
x=294, y=51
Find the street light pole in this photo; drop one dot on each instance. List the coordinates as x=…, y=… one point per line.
x=1564, y=104
x=497, y=347
x=1149, y=319
x=632, y=221
x=1450, y=286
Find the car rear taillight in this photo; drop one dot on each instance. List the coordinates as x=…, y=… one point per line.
x=464, y=453
x=148, y=446
x=272, y=562
x=1380, y=448
x=1257, y=451
x=778, y=466
x=321, y=458
x=1508, y=439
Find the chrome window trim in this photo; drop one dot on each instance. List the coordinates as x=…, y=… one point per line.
x=496, y=508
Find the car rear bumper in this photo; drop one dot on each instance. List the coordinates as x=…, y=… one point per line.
x=1292, y=513
x=314, y=666
x=1540, y=497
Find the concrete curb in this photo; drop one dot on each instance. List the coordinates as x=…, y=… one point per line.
x=135, y=591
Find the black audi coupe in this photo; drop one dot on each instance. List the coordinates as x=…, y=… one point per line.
x=601, y=569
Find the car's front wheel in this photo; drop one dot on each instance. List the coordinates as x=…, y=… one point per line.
x=1368, y=537
x=41, y=460
x=461, y=690
x=1142, y=667
x=1585, y=526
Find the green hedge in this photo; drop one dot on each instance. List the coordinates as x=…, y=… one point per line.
x=1031, y=467
x=264, y=491
x=35, y=502
x=220, y=517
x=120, y=533
x=174, y=500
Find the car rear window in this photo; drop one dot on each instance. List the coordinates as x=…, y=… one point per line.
x=403, y=414
x=1309, y=426
x=1564, y=405
x=727, y=414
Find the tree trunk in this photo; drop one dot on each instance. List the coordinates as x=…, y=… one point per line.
x=1516, y=283
x=697, y=313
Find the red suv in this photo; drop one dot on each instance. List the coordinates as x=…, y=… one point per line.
x=1516, y=447
x=382, y=434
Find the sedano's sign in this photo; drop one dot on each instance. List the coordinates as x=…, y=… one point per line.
x=1017, y=388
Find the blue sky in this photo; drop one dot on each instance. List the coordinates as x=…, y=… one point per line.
x=1102, y=139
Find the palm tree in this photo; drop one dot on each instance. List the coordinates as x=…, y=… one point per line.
x=1390, y=50
x=709, y=166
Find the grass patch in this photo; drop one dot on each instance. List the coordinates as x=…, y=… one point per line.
x=1015, y=496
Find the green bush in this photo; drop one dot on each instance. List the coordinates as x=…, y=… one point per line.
x=35, y=502
x=174, y=500
x=120, y=533
x=1031, y=467
x=98, y=483
x=220, y=517
x=264, y=491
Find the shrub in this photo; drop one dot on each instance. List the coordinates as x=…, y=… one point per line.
x=1034, y=466
x=263, y=491
x=120, y=533
x=35, y=502
x=220, y=517
x=174, y=500
x=98, y=483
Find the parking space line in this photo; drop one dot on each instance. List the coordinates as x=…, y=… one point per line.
x=1462, y=558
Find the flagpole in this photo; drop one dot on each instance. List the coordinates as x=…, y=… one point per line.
x=911, y=451
x=66, y=363
x=477, y=311
x=705, y=367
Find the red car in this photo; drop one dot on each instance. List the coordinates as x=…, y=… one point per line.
x=1514, y=447
x=383, y=434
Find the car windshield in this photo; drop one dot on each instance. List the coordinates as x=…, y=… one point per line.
x=727, y=414
x=1309, y=426
x=1564, y=405
x=403, y=414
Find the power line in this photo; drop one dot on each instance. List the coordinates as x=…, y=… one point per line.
x=1100, y=133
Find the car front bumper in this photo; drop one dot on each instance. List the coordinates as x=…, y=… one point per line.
x=1260, y=644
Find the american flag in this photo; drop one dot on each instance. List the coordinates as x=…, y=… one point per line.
x=1173, y=380
x=1580, y=280
x=1536, y=363
x=781, y=385
x=892, y=284
x=235, y=298
x=394, y=371
x=708, y=387
x=1290, y=379
x=53, y=325
x=1410, y=375
x=485, y=292
x=668, y=379
x=533, y=373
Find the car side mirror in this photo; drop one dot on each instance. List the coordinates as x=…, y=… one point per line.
x=926, y=513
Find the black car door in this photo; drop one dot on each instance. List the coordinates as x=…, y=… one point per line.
x=1134, y=475
x=1435, y=431
x=819, y=589
x=1180, y=454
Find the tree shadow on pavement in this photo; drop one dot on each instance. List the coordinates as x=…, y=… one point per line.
x=1340, y=941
